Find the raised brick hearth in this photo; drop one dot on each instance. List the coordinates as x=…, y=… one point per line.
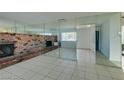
x=7, y=61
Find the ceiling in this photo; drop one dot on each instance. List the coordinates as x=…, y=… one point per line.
x=43, y=17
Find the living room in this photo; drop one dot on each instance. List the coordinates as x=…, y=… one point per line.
x=63, y=47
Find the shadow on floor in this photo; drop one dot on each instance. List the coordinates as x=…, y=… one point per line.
x=103, y=60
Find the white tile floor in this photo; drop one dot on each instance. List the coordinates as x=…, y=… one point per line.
x=103, y=60
x=66, y=53
x=52, y=68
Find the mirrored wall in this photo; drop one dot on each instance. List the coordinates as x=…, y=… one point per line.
x=58, y=38
x=68, y=39
x=52, y=30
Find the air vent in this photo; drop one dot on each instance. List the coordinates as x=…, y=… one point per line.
x=61, y=20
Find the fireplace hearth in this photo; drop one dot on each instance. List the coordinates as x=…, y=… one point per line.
x=6, y=49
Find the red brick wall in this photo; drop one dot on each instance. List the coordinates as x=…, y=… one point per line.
x=24, y=42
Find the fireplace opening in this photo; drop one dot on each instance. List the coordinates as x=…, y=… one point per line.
x=6, y=50
x=48, y=43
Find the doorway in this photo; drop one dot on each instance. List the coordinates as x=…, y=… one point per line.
x=97, y=40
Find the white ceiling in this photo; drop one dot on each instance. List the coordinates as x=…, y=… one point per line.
x=43, y=17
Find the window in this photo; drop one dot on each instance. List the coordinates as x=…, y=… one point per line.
x=68, y=36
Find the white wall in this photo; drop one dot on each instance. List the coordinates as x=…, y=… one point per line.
x=110, y=43
x=115, y=39
x=104, y=39
x=11, y=26
x=6, y=23
x=86, y=38
x=9, y=23
x=122, y=33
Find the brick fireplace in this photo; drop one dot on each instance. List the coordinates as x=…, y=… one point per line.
x=24, y=46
